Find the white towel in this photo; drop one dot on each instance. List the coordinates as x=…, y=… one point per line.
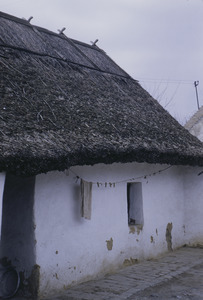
x=86, y=194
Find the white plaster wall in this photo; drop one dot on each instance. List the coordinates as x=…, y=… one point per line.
x=193, y=188
x=2, y=180
x=70, y=249
x=197, y=130
x=195, y=124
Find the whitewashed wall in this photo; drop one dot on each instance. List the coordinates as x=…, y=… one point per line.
x=197, y=130
x=193, y=188
x=70, y=249
x=195, y=124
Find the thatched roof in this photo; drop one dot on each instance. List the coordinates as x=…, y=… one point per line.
x=66, y=103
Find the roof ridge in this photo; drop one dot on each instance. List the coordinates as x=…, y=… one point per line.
x=73, y=43
x=14, y=18
x=96, y=48
x=43, y=29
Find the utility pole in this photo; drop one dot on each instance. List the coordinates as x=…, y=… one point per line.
x=196, y=83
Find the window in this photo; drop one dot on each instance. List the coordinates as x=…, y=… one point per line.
x=135, y=203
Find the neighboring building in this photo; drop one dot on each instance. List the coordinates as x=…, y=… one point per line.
x=195, y=124
x=72, y=124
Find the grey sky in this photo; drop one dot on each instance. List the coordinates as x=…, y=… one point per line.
x=158, y=42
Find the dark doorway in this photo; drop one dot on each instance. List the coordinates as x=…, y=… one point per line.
x=17, y=235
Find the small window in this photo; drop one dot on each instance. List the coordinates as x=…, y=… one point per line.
x=135, y=203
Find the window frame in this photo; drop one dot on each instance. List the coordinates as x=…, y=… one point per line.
x=135, y=204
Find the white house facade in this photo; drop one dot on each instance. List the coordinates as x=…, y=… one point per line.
x=195, y=124
x=95, y=174
x=62, y=248
x=71, y=249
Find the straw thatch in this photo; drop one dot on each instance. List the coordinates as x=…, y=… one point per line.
x=66, y=103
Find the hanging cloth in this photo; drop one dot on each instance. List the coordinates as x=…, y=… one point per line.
x=86, y=195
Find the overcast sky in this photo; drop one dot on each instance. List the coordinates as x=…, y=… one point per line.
x=158, y=42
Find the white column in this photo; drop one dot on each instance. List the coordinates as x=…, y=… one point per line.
x=2, y=180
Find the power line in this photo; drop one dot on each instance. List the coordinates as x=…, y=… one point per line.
x=165, y=81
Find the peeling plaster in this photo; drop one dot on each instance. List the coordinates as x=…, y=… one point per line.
x=184, y=229
x=66, y=287
x=29, y=287
x=56, y=275
x=132, y=229
x=135, y=229
x=139, y=228
x=129, y=262
x=109, y=244
x=169, y=228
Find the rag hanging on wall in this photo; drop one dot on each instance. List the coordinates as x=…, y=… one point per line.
x=86, y=195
